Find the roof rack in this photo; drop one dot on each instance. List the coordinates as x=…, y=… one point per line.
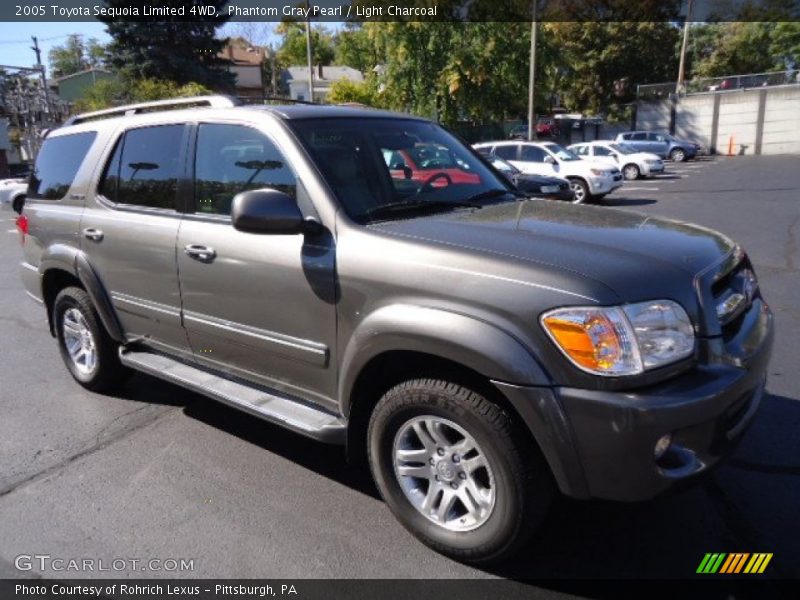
x=219, y=101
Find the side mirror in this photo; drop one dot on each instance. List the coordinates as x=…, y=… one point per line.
x=18, y=204
x=549, y=160
x=268, y=211
x=407, y=172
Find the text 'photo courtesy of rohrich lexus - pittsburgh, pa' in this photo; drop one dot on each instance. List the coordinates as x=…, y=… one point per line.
x=483, y=351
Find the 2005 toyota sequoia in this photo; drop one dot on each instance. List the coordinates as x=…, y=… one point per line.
x=482, y=349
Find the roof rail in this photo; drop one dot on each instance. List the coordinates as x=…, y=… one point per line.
x=218, y=101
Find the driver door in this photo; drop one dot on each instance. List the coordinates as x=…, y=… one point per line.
x=260, y=307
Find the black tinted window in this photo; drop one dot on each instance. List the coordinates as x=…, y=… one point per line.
x=145, y=167
x=507, y=152
x=532, y=154
x=233, y=158
x=58, y=163
x=639, y=136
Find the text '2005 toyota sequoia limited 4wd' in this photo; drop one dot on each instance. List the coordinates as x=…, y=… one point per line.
x=480, y=348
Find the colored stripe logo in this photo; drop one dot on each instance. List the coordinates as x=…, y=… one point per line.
x=734, y=563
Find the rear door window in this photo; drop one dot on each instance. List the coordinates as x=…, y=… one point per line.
x=58, y=163
x=639, y=136
x=145, y=166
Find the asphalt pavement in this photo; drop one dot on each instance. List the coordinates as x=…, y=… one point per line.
x=158, y=472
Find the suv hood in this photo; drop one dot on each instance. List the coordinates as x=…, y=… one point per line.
x=636, y=255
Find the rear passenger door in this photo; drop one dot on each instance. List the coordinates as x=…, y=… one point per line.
x=260, y=307
x=128, y=232
x=657, y=144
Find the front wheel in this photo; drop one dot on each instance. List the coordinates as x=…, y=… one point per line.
x=455, y=471
x=580, y=190
x=631, y=172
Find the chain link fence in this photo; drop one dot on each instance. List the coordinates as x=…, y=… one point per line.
x=704, y=85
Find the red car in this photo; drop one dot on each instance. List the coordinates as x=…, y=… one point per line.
x=547, y=128
x=428, y=163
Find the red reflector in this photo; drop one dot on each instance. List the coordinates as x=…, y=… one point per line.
x=22, y=225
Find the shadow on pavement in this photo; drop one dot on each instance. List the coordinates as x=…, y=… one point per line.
x=664, y=538
x=621, y=202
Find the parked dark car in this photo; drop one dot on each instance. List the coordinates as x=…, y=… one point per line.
x=554, y=188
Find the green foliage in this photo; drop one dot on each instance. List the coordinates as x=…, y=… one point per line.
x=113, y=92
x=169, y=49
x=75, y=56
x=293, y=47
x=344, y=91
x=599, y=64
x=354, y=49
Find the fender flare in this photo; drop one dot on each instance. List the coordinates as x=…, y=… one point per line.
x=75, y=262
x=476, y=344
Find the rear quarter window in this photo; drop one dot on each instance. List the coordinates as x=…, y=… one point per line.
x=58, y=163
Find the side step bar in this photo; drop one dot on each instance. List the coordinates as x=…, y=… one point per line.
x=301, y=418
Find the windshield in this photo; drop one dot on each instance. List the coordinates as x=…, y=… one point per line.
x=503, y=166
x=562, y=153
x=378, y=162
x=623, y=148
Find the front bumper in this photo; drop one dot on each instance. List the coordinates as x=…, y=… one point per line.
x=649, y=169
x=604, y=185
x=600, y=444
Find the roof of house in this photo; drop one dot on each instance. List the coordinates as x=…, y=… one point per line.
x=251, y=56
x=84, y=72
x=329, y=73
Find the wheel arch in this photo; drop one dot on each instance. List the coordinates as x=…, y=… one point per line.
x=63, y=266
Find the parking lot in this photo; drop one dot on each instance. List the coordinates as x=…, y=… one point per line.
x=159, y=472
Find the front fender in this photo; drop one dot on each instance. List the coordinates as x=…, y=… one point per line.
x=476, y=344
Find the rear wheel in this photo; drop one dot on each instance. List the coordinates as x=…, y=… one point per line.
x=631, y=172
x=581, y=191
x=677, y=155
x=455, y=471
x=86, y=348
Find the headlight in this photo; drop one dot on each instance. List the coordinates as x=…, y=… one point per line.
x=599, y=172
x=627, y=340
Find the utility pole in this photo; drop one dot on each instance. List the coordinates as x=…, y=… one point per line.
x=308, y=57
x=532, y=76
x=40, y=67
x=682, y=63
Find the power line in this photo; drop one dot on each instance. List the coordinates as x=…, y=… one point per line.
x=47, y=39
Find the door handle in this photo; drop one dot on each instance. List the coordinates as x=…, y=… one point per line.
x=93, y=234
x=200, y=252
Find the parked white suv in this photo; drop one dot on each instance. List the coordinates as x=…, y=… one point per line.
x=589, y=180
x=631, y=162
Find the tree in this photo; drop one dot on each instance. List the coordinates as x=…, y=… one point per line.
x=354, y=49
x=601, y=62
x=738, y=48
x=113, y=92
x=360, y=92
x=293, y=45
x=170, y=49
x=75, y=55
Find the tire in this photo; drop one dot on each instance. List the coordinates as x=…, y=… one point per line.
x=631, y=172
x=17, y=204
x=513, y=490
x=79, y=330
x=677, y=155
x=581, y=190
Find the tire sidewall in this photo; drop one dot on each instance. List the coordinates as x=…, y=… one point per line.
x=63, y=303
x=493, y=535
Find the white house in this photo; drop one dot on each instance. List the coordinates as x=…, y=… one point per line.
x=323, y=77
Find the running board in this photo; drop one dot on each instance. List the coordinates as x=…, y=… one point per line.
x=293, y=415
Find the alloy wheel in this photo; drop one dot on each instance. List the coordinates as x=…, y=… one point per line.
x=79, y=341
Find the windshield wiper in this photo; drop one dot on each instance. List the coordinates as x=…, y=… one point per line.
x=492, y=193
x=413, y=205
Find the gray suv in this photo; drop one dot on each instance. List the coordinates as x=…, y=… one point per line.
x=482, y=350
x=660, y=143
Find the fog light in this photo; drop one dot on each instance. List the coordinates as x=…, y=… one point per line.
x=662, y=445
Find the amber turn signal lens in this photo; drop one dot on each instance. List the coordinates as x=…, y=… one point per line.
x=591, y=342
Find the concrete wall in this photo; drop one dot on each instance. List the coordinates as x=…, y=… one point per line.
x=755, y=121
